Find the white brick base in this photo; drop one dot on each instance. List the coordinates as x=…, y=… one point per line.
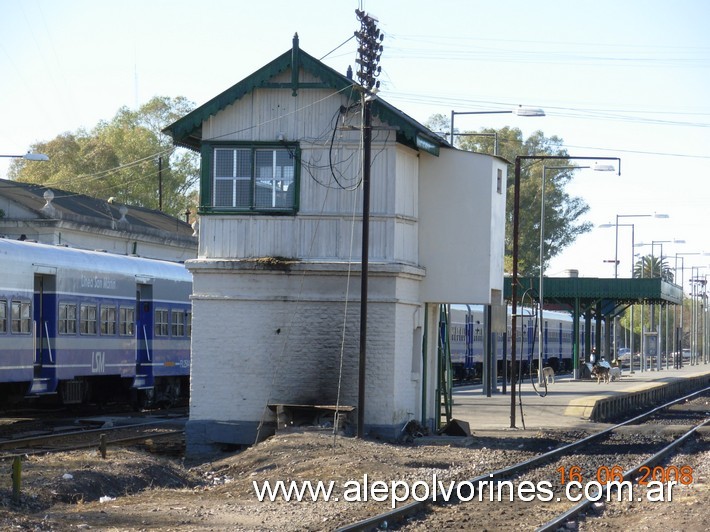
x=281, y=332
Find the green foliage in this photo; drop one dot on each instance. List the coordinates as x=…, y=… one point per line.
x=120, y=159
x=649, y=266
x=561, y=210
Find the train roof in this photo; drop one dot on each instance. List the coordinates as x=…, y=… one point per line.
x=45, y=256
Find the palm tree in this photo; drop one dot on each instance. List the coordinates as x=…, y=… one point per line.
x=650, y=266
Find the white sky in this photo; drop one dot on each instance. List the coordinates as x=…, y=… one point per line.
x=624, y=79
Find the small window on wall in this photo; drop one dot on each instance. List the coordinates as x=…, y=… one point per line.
x=67, y=318
x=87, y=319
x=108, y=319
x=126, y=321
x=161, y=322
x=177, y=322
x=3, y=316
x=255, y=179
x=499, y=181
x=21, y=320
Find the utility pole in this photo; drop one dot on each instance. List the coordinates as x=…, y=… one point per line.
x=160, y=184
x=369, y=38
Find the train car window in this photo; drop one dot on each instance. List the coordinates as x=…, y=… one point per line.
x=67, y=318
x=3, y=316
x=21, y=317
x=108, y=319
x=126, y=321
x=177, y=323
x=188, y=319
x=87, y=318
x=161, y=322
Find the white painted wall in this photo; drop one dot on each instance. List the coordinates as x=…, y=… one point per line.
x=461, y=226
x=265, y=336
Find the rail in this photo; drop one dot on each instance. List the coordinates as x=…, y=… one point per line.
x=398, y=514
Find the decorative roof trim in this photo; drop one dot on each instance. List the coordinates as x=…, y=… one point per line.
x=187, y=131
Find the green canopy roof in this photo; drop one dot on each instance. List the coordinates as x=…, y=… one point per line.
x=561, y=293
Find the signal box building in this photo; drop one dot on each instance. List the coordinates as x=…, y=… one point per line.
x=276, y=293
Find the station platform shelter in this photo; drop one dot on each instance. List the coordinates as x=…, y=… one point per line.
x=600, y=299
x=574, y=404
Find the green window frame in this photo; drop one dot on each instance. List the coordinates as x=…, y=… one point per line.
x=250, y=178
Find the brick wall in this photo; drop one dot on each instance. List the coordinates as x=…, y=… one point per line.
x=265, y=336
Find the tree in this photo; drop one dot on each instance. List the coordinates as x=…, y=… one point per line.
x=650, y=266
x=561, y=210
x=121, y=159
x=440, y=125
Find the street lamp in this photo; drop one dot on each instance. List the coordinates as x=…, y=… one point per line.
x=678, y=341
x=541, y=297
x=514, y=279
x=653, y=245
x=696, y=282
x=518, y=111
x=29, y=156
x=616, y=239
x=653, y=306
x=616, y=273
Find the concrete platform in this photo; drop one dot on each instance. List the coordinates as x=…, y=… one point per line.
x=571, y=404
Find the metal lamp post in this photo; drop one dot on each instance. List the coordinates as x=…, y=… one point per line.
x=541, y=292
x=616, y=238
x=616, y=271
x=696, y=283
x=514, y=279
x=660, y=274
x=518, y=111
x=681, y=256
x=29, y=156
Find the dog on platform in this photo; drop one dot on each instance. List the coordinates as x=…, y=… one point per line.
x=548, y=375
x=615, y=374
x=602, y=373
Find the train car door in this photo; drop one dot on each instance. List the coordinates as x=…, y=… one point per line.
x=45, y=331
x=144, y=336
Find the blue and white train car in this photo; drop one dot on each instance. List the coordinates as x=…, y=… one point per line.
x=92, y=325
x=466, y=334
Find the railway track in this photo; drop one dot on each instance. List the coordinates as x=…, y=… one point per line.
x=39, y=436
x=632, y=451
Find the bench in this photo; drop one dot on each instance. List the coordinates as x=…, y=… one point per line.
x=289, y=415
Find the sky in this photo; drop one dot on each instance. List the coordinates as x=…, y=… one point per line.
x=626, y=79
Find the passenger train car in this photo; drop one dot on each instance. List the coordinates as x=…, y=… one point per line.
x=92, y=326
x=466, y=335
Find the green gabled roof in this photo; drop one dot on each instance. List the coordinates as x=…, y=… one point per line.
x=187, y=131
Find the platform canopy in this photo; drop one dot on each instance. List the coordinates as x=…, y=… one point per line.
x=590, y=293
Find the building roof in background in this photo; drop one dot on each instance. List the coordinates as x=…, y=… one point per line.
x=80, y=208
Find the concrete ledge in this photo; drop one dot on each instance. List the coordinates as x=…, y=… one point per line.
x=604, y=408
x=210, y=436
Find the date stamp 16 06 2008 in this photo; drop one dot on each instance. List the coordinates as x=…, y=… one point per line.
x=658, y=482
x=680, y=475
